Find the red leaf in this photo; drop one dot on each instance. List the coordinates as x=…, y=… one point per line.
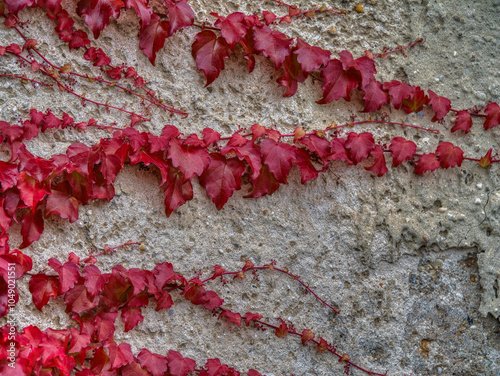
x=115, y=73
x=190, y=160
x=282, y=330
x=213, y=367
x=164, y=301
x=245, y=150
x=233, y=317
x=142, y=10
x=94, y=280
x=492, y=116
x=156, y=364
x=221, y=178
x=119, y=355
x=78, y=39
x=268, y=16
x=210, y=136
x=249, y=316
x=310, y=57
x=322, y=345
x=178, y=365
x=463, y=122
x=77, y=300
x=449, y=155
x=209, y=51
x=178, y=190
x=337, y=82
x=359, y=146
x=292, y=74
x=131, y=317
x=233, y=28
x=152, y=37
x=79, y=341
x=307, y=169
x=32, y=227
x=69, y=273
x=252, y=372
x=416, y=101
x=401, y=150
x=8, y=175
x=279, y=157
x=273, y=44
x=180, y=15
x=62, y=203
x=43, y=288
x=132, y=369
x=427, y=162
x=97, y=13
x=213, y=300
x=440, y=105
x=398, y=91
x=307, y=335
x=374, y=96
x=379, y=166
x=14, y=6
x=264, y=184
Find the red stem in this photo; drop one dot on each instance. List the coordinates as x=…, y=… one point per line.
x=15, y=76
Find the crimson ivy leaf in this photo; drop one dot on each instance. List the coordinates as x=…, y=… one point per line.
x=379, y=166
x=337, y=82
x=307, y=169
x=69, y=273
x=164, y=301
x=97, y=13
x=209, y=51
x=398, y=91
x=119, y=355
x=233, y=27
x=449, y=155
x=62, y=203
x=32, y=227
x=249, y=316
x=78, y=300
x=463, y=122
x=142, y=10
x=131, y=317
x=178, y=190
x=180, y=15
x=79, y=341
x=492, y=116
x=132, y=369
x=94, y=280
x=178, y=365
x=416, y=101
x=245, y=150
x=322, y=345
x=213, y=367
x=268, y=16
x=252, y=372
x=152, y=37
x=42, y=288
x=359, y=146
x=273, y=44
x=8, y=175
x=264, y=184
x=221, y=178
x=14, y=6
x=310, y=57
x=440, y=105
x=374, y=96
x=210, y=136
x=213, y=300
x=190, y=160
x=292, y=74
x=279, y=157
x=104, y=323
x=100, y=362
x=427, y=162
x=233, y=317
x=156, y=364
x=307, y=335
x=401, y=150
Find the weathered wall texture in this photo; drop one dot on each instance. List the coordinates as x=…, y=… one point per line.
x=412, y=261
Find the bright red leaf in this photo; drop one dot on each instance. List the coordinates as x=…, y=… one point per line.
x=463, y=122
x=249, y=316
x=264, y=184
x=440, y=105
x=233, y=317
x=310, y=57
x=78, y=300
x=449, y=155
x=69, y=273
x=379, y=165
x=233, y=28
x=97, y=13
x=32, y=227
x=178, y=365
x=492, y=116
x=401, y=150
x=156, y=364
x=359, y=146
x=119, y=355
x=131, y=317
x=62, y=203
x=427, y=162
x=43, y=288
x=213, y=367
x=152, y=37
x=180, y=15
x=273, y=44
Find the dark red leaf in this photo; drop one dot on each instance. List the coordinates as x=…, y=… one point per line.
x=131, y=317
x=190, y=160
x=8, y=175
x=279, y=157
x=43, y=288
x=142, y=10
x=233, y=28
x=379, y=166
x=156, y=364
x=307, y=169
x=115, y=73
x=233, y=317
x=152, y=37
x=32, y=227
x=78, y=39
x=249, y=316
x=273, y=44
x=97, y=13
x=427, y=162
x=398, y=91
x=492, y=116
x=449, y=155
x=178, y=365
x=69, y=273
x=78, y=300
x=221, y=178
x=180, y=15
x=310, y=57
x=374, y=96
x=213, y=300
x=292, y=74
x=164, y=301
x=245, y=150
x=62, y=203
x=79, y=341
x=463, y=122
x=359, y=146
x=209, y=51
x=264, y=184
x=14, y=6
x=401, y=150
x=440, y=105
x=416, y=101
x=178, y=190
x=337, y=82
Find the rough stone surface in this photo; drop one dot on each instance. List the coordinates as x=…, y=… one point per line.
x=412, y=261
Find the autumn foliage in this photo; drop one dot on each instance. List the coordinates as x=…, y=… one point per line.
x=256, y=159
